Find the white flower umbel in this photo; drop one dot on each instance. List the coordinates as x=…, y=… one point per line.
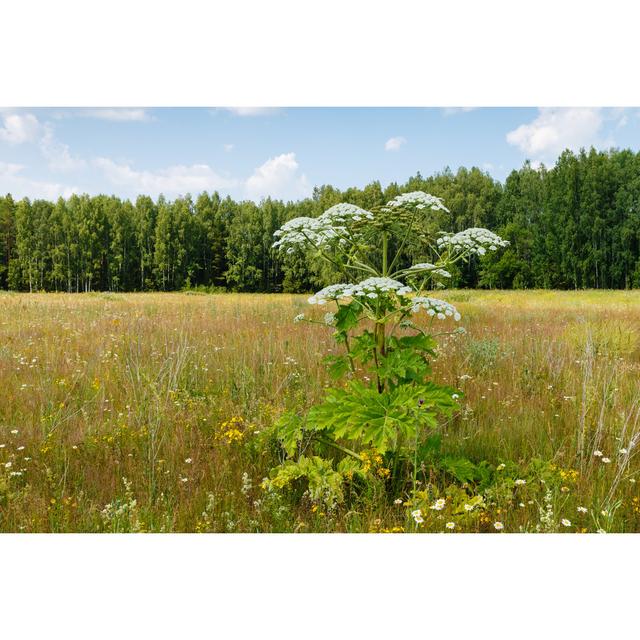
x=301, y=231
x=343, y=213
x=428, y=268
x=419, y=200
x=370, y=288
x=434, y=307
x=330, y=227
x=474, y=241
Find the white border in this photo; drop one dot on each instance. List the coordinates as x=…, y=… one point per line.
x=319, y=53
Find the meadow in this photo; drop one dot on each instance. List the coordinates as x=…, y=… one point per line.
x=152, y=413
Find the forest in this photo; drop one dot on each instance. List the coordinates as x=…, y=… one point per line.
x=573, y=226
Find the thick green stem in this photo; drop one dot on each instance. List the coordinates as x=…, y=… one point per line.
x=385, y=250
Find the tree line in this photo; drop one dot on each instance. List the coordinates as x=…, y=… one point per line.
x=576, y=225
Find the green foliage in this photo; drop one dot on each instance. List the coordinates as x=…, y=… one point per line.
x=575, y=225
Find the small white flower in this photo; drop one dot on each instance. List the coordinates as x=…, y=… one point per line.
x=565, y=522
x=14, y=431
x=418, y=519
x=416, y=514
x=329, y=318
x=450, y=525
x=299, y=318
x=454, y=396
x=604, y=512
x=20, y=448
x=438, y=505
x=623, y=452
x=498, y=525
x=188, y=460
x=7, y=465
x=519, y=482
x=521, y=504
x=583, y=509
x=184, y=479
x=468, y=507
x=397, y=501
x=606, y=460
x=598, y=454
x=501, y=466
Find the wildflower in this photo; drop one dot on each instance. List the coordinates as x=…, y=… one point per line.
x=468, y=507
x=184, y=479
x=438, y=505
x=598, y=454
x=623, y=452
x=434, y=307
x=430, y=268
x=565, y=522
x=519, y=482
x=475, y=240
x=418, y=519
x=20, y=448
x=8, y=465
x=521, y=505
x=501, y=466
x=450, y=525
x=417, y=513
x=583, y=509
x=329, y=318
x=14, y=432
x=454, y=396
x=397, y=501
x=188, y=460
x=299, y=318
x=498, y=526
x=419, y=200
x=606, y=460
x=604, y=512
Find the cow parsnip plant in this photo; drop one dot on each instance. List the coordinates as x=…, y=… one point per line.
x=374, y=424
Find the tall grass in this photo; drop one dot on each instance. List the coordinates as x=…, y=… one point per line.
x=146, y=412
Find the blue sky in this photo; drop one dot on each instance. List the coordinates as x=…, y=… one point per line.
x=284, y=152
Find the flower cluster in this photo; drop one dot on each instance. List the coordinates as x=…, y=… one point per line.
x=299, y=231
x=434, y=307
x=320, y=231
x=343, y=213
x=417, y=199
x=369, y=288
x=431, y=268
x=475, y=240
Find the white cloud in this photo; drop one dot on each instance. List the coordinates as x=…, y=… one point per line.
x=394, y=144
x=253, y=111
x=555, y=130
x=278, y=177
x=178, y=179
x=229, y=147
x=57, y=154
x=19, y=128
x=454, y=111
x=14, y=182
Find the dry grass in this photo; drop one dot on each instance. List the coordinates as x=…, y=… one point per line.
x=122, y=405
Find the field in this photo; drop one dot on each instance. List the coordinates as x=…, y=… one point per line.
x=151, y=412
